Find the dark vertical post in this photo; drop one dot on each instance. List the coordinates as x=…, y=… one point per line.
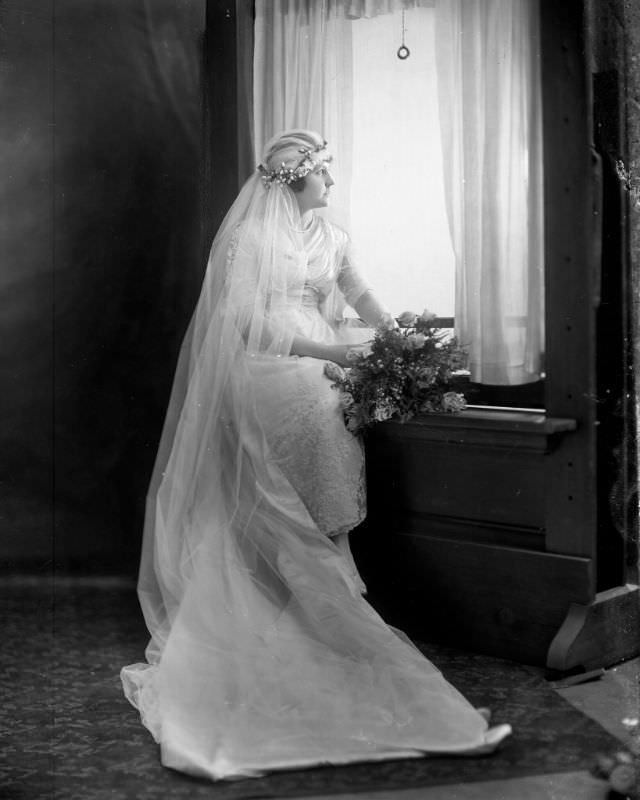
x=572, y=240
x=245, y=19
x=220, y=113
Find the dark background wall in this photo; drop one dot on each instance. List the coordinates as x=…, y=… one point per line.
x=101, y=255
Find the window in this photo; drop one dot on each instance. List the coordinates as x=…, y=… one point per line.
x=398, y=216
x=321, y=66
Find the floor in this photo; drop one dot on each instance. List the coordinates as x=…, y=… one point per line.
x=612, y=698
x=609, y=700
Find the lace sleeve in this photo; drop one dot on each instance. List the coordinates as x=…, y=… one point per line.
x=350, y=282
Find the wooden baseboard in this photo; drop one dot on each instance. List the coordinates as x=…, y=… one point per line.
x=599, y=634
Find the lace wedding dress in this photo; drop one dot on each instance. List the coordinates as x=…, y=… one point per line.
x=298, y=409
x=264, y=654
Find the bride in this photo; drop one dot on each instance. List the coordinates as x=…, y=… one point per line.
x=264, y=654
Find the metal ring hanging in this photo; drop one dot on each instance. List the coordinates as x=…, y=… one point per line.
x=403, y=50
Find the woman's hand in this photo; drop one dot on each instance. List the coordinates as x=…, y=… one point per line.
x=341, y=354
x=387, y=321
x=308, y=348
x=338, y=353
x=356, y=350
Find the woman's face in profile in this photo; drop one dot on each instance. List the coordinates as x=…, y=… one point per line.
x=316, y=189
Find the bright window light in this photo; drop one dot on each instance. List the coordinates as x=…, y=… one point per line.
x=398, y=218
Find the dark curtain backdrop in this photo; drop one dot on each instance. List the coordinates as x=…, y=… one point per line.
x=101, y=256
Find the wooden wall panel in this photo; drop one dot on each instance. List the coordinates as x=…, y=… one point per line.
x=458, y=509
x=488, y=467
x=504, y=601
x=472, y=483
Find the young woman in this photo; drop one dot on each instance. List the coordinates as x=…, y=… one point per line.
x=264, y=654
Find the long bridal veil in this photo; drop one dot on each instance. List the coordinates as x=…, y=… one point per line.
x=263, y=654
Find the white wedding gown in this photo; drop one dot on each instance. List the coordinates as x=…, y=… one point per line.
x=273, y=659
x=298, y=409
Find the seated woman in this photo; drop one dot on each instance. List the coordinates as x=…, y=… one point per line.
x=264, y=655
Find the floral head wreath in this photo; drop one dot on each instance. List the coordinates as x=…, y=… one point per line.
x=285, y=175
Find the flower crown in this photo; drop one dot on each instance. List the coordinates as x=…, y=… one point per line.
x=286, y=175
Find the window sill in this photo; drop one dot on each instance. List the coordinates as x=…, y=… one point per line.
x=481, y=427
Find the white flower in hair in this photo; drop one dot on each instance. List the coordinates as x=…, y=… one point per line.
x=285, y=175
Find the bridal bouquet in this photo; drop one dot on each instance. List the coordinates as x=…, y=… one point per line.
x=403, y=372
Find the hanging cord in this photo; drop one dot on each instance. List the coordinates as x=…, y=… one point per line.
x=403, y=50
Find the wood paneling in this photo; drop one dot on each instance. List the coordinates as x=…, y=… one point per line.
x=458, y=515
x=490, y=599
x=486, y=466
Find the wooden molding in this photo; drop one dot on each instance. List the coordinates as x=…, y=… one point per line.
x=599, y=634
x=485, y=427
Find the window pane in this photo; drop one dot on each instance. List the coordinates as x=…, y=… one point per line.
x=398, y=218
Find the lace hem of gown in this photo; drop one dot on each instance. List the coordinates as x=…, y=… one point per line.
x=309, y=442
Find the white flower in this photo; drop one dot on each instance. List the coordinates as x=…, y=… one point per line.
x=334, y=371
x=407, y=319
x=384, y=409
x=382, y=413
x=453, y=402
x=417, y=340
x=346, y=401
x=427, y=315
x=622, y=778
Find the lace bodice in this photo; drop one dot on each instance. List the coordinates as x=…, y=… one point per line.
x=326, y=282
x=327, y=249
x=317, y=276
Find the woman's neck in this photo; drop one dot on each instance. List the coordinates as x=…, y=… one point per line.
x=306, y=219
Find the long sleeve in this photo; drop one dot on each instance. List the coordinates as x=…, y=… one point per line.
x=350, y=282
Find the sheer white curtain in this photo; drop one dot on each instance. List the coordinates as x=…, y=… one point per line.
x=361, y=9
x=487, y=56
x=490, y=116
x=303, y=75
x=303, y=79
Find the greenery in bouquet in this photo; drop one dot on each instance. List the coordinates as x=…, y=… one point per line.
x=402, y=372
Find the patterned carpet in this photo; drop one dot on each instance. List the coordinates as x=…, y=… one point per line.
x=67, y=731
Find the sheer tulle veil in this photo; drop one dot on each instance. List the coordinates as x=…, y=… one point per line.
x=201, y=475
x=262, y=652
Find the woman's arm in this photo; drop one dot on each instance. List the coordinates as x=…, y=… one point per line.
x=373, y=312
x=301, y=346
x=369, y=308
x=359, y=296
